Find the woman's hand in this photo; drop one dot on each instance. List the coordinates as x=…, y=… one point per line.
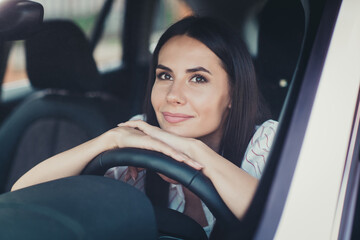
x=193, y=149
x=187, y=146
x=176, y=142
x=182, y=145
x=126, y=136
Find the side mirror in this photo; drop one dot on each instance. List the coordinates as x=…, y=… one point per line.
x=19, y=19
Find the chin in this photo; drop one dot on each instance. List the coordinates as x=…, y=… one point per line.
x=182, y=131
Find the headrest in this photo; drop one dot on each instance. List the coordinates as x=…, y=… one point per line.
x=282, y=26
x=59, y=57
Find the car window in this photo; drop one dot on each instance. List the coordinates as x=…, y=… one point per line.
x=84, y=13
x=167, y=13
x=108, y=50
x=15, y=70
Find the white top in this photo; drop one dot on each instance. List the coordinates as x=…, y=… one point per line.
x=253, y=163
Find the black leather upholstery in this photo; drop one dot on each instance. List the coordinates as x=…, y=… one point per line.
x=85, y=207
x=68, y=109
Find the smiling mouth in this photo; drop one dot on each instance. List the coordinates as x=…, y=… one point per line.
x=176, y=117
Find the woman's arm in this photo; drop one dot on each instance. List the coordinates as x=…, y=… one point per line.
x=68, y=163
x=72, y=162
x=235, y=186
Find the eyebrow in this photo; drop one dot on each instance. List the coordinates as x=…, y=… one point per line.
x=190, y=70
x=163, y=68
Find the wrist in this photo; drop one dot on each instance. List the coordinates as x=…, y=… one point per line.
x=108, y=140
x=204, y=155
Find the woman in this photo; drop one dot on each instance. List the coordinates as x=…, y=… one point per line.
x=202, y=108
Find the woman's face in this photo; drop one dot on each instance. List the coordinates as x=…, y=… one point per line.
x=190, y=95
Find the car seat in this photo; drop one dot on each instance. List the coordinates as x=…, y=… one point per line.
x=68, y=107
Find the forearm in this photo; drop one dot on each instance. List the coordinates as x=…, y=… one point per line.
x=73, y=161
x=65, y=164
x=234, y=185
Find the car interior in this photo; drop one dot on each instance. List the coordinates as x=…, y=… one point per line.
x=69, y=99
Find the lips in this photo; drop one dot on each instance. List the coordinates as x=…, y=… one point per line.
x=176, y=117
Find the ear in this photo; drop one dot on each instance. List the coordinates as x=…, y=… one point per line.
x=229, y=106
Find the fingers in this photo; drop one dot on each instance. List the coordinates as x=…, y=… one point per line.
x=165, y=178
x=178, y=156
x=171, y=139
x=133, y=123
x=132, y=172
x=130, y=137
x=148, y=129
x=127, y=175
x=138, y=139
x=154, y=144
x=194, y=164
x=138, y=124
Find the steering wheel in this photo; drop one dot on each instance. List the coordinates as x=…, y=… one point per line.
x=189, y=177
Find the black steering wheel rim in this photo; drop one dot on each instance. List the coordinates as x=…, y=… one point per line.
x=189, y=177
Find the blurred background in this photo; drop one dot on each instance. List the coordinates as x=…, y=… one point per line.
x=84, y=13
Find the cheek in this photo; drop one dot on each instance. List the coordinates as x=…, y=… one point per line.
x=155, y=97
x=213, y=113
x=213, y=105
x=216, y=112
x=152, y=98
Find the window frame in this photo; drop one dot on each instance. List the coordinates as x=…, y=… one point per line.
x=275, y=185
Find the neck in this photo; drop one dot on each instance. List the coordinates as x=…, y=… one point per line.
x=213, y=144
x=213, y=140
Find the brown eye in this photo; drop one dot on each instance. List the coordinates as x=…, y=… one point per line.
x=164, y=76
x=198, y=79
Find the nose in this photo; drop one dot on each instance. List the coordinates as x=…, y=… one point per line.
x=175, y=94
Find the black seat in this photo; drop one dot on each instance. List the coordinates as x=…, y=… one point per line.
x=68, y=108
x=282, y=28
x=60, y=57
x=80, y=207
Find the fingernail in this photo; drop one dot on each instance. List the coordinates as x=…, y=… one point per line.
x=198, y=165
x=133, y=176
x=181, y=157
